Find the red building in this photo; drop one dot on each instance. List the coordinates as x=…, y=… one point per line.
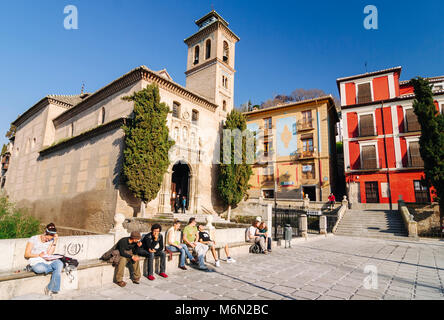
x=381, y=137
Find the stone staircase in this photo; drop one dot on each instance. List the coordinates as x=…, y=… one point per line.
x=372, y=224
x=200, y=217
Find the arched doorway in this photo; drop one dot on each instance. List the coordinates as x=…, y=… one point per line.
x=180, y=183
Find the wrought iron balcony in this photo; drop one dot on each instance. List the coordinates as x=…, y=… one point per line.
x=303, y=155
x=303, y=125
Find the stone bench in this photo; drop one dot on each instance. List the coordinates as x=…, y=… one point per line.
x=96, y=273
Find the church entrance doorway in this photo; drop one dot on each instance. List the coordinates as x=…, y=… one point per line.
x=180, y=186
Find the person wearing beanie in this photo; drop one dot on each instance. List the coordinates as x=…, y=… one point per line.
x=128, y=247
x=38, y=251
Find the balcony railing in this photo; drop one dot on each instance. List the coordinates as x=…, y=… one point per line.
x=303, y=155
x=305, y=125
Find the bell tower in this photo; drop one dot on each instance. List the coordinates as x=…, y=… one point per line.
x=210, y=64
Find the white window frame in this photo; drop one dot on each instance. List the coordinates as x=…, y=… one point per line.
x=374, y=122
x=358, y=82
x=369, y=143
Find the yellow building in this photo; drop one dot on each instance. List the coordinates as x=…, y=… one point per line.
x=296, y=149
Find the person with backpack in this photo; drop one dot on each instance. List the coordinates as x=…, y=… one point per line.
x=254, y=237
x=152, y=244
x=38, y=251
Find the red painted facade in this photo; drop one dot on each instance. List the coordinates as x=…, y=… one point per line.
x=393, y=174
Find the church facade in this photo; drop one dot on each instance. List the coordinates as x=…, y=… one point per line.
x=66, y=158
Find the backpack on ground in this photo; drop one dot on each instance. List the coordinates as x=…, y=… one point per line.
x=255, y=248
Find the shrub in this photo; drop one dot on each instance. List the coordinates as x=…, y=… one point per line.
x=16, y=223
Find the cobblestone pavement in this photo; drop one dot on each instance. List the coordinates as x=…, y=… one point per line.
x=327, y=269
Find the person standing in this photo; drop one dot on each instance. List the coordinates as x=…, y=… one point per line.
x=331, y=201
x=190, y=238
x=184, y=205
x=37, y=250
x=174, y=245
x=152, y=244
x=128, y=247
x=176, y=204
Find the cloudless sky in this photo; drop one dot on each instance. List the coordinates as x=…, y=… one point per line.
x=284, y=44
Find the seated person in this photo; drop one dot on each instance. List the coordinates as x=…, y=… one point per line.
x=37, y=249
x=190, y=238
x=263, y=232
x=128, y=248
x=204, y=238
x=152, y=244
x=254, y=237
x=174, y=245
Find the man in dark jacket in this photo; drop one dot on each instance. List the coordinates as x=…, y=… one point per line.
x=153, y=245
x=127, y=249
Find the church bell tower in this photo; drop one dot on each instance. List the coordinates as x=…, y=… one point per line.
x=210, y=64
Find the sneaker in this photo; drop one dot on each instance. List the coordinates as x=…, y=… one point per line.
x=230, y=260
x=217, y=263
x=48, y=292
x=183, y=268
x=151, y=278
x=163, y=275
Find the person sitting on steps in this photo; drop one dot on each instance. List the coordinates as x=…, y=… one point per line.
x=174, y=245
x=204, y=238
x=190, y=238
x=128, y=247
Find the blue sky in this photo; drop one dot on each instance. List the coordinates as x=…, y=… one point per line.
x=284, y=44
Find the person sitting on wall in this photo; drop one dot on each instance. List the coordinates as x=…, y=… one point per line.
x=128, y=248
x=204, y=238
x=263, y=232
x=174, y=245
x=190, y=238
x=331, y=201
x=38, y=249
x=152, y=244
x=254, y=237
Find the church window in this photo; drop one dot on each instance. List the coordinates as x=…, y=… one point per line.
x=176, y=133
x=224, y=105
x=72, y=129
x=102, y=116
x=226, y=52
x=176, y=109
x=196, y=54
x=208, y=49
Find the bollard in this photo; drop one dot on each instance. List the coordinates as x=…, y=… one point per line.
x=288, y=235
x=303, y=225
x=323, y=225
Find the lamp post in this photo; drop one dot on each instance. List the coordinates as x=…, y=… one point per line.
x=275, y=209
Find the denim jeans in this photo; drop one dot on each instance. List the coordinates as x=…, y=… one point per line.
x=183, y=251
x=56, y=268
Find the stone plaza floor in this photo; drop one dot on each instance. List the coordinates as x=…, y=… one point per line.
x=327, y=269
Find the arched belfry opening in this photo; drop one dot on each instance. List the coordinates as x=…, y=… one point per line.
x=180, y=182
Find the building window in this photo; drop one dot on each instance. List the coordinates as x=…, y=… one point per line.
x=307, y=145
x=421, y=192
x=268, y=145
x=268, y=124
x=226, y=52
x=308, y=171
x=372, y=192
x=411, y=121
x=268, y=194
x=176, y=109
x=195, y=116
x=368, y=157
x=415, y=159
x=307, y=116
x=208, y=49
x=72, y=129
x=364, y=93
x=366, y=125
x=176, y=134
x=102, y=116
x=225, y=82
x=224, y=105
x=196, y=54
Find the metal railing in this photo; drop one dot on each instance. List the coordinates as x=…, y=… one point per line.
x=305, y=125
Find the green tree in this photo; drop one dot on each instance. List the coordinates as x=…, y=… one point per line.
x=11, y=132
x=16, y=223
x=4, y=149
x=431, y=141
x=234, y=177
x=146, y=145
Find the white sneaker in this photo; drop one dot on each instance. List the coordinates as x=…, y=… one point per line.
x=231, y=260
x=218, y=263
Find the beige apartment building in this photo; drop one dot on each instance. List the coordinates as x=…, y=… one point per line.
x=66, y=159
x=298, y=143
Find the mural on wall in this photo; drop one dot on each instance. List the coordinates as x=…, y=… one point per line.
x=286, y=136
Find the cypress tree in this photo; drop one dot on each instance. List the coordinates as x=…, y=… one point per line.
x=431, y=141
x=146, y=144
x=233, y=182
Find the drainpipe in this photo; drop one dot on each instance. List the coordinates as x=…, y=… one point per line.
x=386, y=156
